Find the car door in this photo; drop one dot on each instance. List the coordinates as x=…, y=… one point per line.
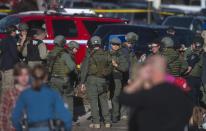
x=197, y=25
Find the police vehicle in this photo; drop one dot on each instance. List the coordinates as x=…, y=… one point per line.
x=74, y=24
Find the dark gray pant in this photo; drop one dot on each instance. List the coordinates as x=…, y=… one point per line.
x=97, y=94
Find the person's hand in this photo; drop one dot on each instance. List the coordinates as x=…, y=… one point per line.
x=133, y=86
x=82, y=88
x=114, y=63
x=144, y=73
x=22, y=39
x=129, y=81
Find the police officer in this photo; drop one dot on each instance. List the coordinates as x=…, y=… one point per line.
x=174, y=63
x=120, y=66
x=195, y=68
x=62, y=68
x=23, y=34
x=35, y=50
x=98, y=68
x=172, y=34
x=127, y=49
x=9, y=57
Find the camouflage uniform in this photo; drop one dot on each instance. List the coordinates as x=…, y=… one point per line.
x=63, y=71
x=131, y=58
x=175, y=65
x=97, y=68
x=117, y=76
x=195, y=61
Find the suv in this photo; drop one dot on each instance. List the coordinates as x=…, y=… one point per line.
x=146, y=34
x=73, y=27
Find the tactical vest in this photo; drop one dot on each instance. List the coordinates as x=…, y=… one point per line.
x=116, y=56
x=100, y=64
x=33, y=50
x=60, y=68
x=174, y=63
x=197, y=69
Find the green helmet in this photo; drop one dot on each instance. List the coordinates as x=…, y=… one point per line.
x=96, y=40
x=131, y=37
x=115, y=40
x=73, y=44
x=167, y=42
x=60, y=40
x=23, y=26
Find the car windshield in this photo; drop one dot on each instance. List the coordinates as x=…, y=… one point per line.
x=179, y=22
x=7, y=21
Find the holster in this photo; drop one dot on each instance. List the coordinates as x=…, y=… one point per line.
x=24, y=125
x=56, y=125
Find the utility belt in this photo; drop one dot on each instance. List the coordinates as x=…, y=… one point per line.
x=53, y=125
x=58, y=76
x=39, y=124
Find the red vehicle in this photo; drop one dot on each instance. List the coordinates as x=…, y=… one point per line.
x=73, y=27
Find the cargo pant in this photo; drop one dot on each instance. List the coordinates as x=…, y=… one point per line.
x=203, y=92
x=63, y=85
x=115, y=98
x=7, y=79
x=97, y=92
x=195, y=84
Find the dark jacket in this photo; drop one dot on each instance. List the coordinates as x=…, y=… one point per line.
x=204, y=68
x=9, y=53
x=123, y=65
x=162, y=108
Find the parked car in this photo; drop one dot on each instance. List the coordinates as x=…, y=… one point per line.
x=146, y=34
x=140, y=17
x=189, y=22
x=2, y=15
x=73, y=27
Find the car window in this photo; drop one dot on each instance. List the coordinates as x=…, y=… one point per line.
x=91, y=26
x=36, y=24
x=82, y=5
x=178, y=22
x=66, y=28
x=7, y=21
x=197, y=25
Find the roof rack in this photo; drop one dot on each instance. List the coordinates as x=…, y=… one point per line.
x=64, y=11
x=78, y=11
